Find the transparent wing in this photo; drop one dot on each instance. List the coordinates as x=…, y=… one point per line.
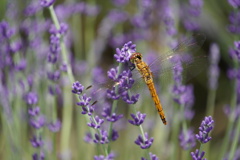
x=187, y=53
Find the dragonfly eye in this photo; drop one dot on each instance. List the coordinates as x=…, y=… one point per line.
x=139, y=57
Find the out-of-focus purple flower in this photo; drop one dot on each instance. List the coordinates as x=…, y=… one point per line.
x=21, y=65
x=101, y=138
x=36, y=142
x=191, y=12
x=77, y=88
x=144, y=143
x=54, y=76
x=6, y=31
x=88, y=138
x=32, y=8
x=234, y=26
x=112, y=73
x=232, y=73
x=120, y=2
x=114, y=135
x=167, y=17
x=214, y=69
x=229, y=111
x=33, y=111
x=198, y=156
x=35, y=156
x=46, y=3
x=98, y=76
x=234, y=3
x=110, y=156
x=31, y=98
x=111, y=117
x=55, y=127
x=124, y=54
x=138, y=119
x=187, y=139
x=37, y=122
x=152, y=157
x=96, y=122
x=204, y=130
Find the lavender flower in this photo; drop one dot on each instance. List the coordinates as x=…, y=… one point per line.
x=144, y=142
x=187, y=139
x=204, y=130
x=77, y=88
x=36, y=156
x=33, y=111
x=31, y=98
x=152, y=157
x=36, y=142
x=110, y=156
x=37, y=122
x=55, y=127
x=96, y=122
x=111, y=117
x=123, y=55
x=88, y=138
x=138, y=119
x=46, y=3
x=214, y=70
x=198, y=156
x=114, y=135
x=234, y=3
x=101, y=138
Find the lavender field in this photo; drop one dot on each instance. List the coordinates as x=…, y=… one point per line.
x=70, y=88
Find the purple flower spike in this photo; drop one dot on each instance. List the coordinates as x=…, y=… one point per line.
x=55, y=127
x=111, y=156
x=124, y=54
x=144, y=144
x=110, y=117
x=31, y=98
x=84, y=100
x=77, y=88
x=102, y=138
x=152, y=157
x=46, y=3
x=95, y=123
x=114, y=135
x=36, y=142
x=204, y=130
x=33, y=111
x=111, y=94
x=234, y=3
x=35, y=156
x=88, y=138
x=138, y=119
x=187, y=140
x=198, y=156
x=37, y=122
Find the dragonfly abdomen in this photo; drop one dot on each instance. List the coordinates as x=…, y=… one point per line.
x=157, y=102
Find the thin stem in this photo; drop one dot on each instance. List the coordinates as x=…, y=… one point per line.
x=230, y=122
x=235, y=140
x=210, y=111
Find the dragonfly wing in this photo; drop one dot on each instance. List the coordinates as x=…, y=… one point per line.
x=186, y=53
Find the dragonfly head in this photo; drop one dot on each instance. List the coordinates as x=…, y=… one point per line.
x=135, y=58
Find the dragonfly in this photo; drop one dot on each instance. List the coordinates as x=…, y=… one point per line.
x=186, y=52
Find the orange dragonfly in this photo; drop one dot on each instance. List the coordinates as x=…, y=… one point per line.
x=186, y=52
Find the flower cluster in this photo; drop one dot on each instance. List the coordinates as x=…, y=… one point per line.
x=214, y=69
x=183, y=94
x=194, y=10
x=205, y=128
x=152, y=157
x=187, y=139
x=143, y=141
x=197, y=155
x=138, y=119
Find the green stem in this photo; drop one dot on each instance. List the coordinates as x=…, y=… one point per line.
x=235, y=140
x=226, y=139
x=210, y=111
